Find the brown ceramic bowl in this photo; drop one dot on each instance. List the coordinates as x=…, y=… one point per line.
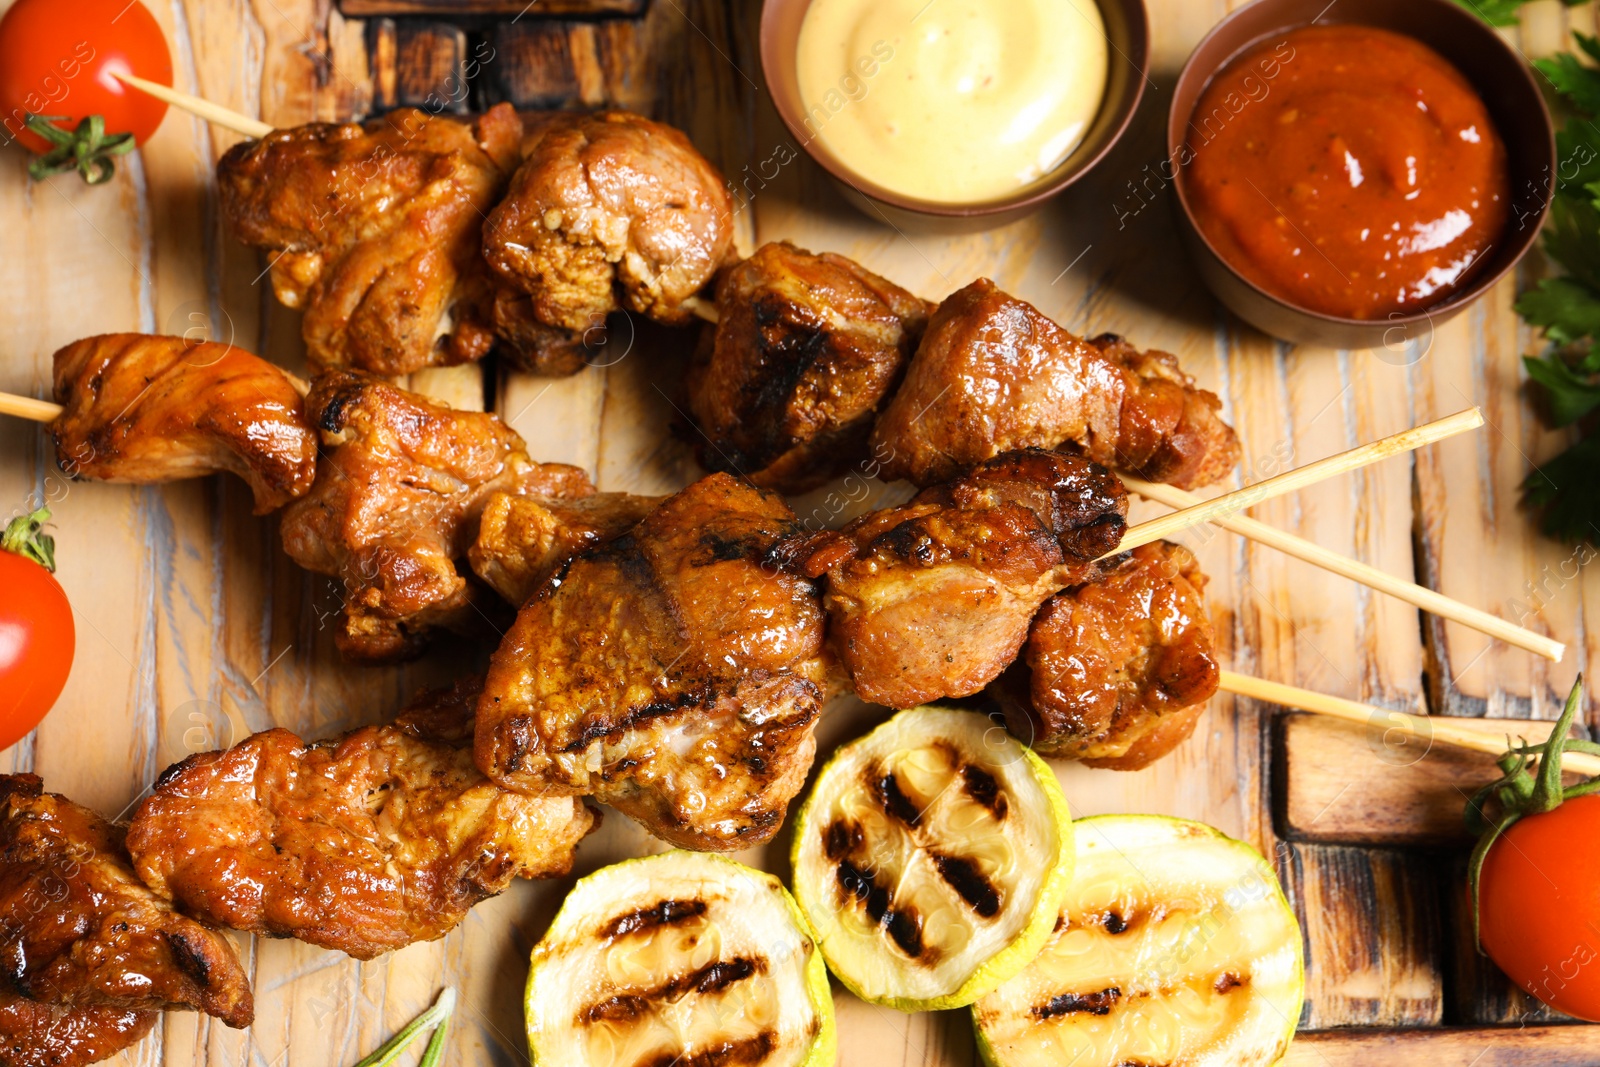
x=1501, y=77
x=1129, y=34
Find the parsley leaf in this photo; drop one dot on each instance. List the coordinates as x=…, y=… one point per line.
x=1567, y=309
x=1572, y=236
x=1572, y=393
x=1577, y=155
x=1564, y=488
x=1501, y=12
x=1578, y=83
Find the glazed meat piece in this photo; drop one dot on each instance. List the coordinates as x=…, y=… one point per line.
x=806, y=350
x=1116, y=672
x=533, y=346
x=373, y=229
x=609, y=210
x=158, y=409
x=397, y=502
x=78, y=929
x=993, y=374
x=363, y=843
x=674, y=673
x=524, y=540
x=34, y=1034
x=933, y=599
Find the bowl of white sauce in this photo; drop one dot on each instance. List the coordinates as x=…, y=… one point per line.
x=955, y=110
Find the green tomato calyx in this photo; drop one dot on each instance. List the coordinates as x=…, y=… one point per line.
x=25, y=536
x=1520, y=792
x=85, y=149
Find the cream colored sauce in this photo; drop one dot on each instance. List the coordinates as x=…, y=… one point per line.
x=956, y=101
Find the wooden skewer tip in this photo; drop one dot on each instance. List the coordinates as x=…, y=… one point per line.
x=1300, y=478
x=26, y=407
x=1410, y=592
x=1429, y=727
x=194, y=105
x=704, y=308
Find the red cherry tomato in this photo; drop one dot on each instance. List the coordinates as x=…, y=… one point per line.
x=1539, y=906
x=57, y=58
x=36, y=634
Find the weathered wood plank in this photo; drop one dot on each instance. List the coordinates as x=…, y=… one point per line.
x=421, y=64
x=1338, y=783
x=534, y=66
x=1548, y=1046
x=1373, y=930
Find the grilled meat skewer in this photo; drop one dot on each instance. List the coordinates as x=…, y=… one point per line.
x=608, y=211
x=933, y=599
x=364, y=843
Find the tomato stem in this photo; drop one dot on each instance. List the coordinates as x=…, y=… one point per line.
x=25, y=536
x=85, y=149
x=1521, y=793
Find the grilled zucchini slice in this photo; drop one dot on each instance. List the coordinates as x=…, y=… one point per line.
x=1175, y=946
x=679, y=958
x=931, y=858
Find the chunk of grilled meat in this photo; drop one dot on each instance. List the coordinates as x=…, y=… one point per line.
x=609, y=210
x=533, y=346
x=674, y=673
x=78, y=929
x=524, y=540
x=806, y=350
x=158, y=409
x=397, y=503
x=933, y=599
x=993, y=374
x=363, y=843
x=373, y=228
x=34, y=1034
x=1117, y=671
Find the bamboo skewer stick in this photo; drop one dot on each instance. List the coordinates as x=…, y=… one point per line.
x=194, y=105
x=1417, y=595
x=26, y=407
x=1299, y=478
x=1423, y=726
x=703, y=308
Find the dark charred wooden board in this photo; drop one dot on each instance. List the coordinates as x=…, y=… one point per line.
x=1372, y=922
x=421, y=64
x=549, y=65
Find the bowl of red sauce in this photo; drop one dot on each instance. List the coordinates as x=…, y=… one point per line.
x=1353, y=174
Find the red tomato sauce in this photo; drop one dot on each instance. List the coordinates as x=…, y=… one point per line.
x=1349, y=170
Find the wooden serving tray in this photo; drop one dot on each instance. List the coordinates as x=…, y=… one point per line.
x=195, y=630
